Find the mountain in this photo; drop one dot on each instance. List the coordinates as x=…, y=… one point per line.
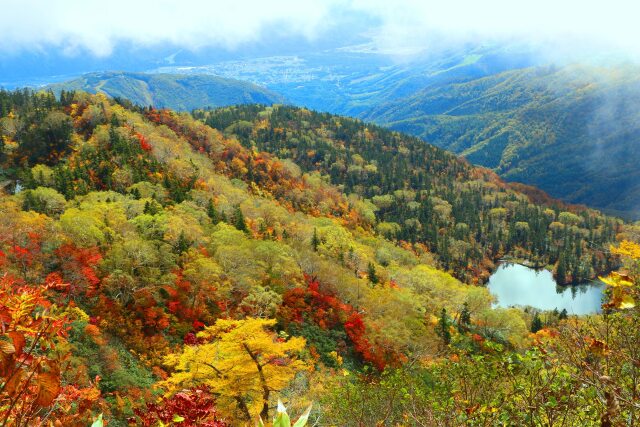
x=353, y=79
x=178, y=92
x=572, y=131
x=421, y=193
x=161, y=267
x=567, y=129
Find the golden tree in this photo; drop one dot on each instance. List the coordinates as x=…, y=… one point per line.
x=242, y=361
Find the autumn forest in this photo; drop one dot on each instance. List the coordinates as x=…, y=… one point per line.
x=194, y=269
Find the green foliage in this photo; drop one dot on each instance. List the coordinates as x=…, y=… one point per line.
x=44, y=200
x=315, y=240
x=538, y=125
x=536, y=323
x=134, y=233
x=443, y=327
x=282, y=418
x=464, y=321
x=421, y=194
x=238, y=219
x=497, y=389
x=371, y=273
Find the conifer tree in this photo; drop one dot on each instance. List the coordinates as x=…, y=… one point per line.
x=443, y=327
x=212, y=212
x=536, y=323
x=315, y=240
x=371, y=272
x=238, y=220
x=465, y=317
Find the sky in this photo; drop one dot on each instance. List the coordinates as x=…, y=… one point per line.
x=80, y=27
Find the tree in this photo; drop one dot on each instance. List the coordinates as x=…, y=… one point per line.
x=561, y=271
x=536, y=323
x=443, y=327
x=371, y=273
x=212, y=213
x=44, y=200
x=47, y=140
x=315, y=240
x=190, y=408
x=238, y=219
x=32, y=360
x=465, y=317
x=242, y=362
x=183, y=244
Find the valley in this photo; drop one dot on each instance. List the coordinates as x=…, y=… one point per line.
x=328, y=214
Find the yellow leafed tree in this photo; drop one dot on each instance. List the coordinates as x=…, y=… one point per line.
x=242, y=361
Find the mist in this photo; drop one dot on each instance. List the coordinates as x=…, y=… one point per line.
x=406, y=26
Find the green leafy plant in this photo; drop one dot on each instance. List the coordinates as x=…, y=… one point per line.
x=98, y=422
x=282, y=418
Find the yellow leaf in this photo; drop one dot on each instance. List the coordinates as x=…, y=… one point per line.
x=627, y=301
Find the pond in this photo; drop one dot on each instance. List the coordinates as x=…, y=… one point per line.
x=517, y=285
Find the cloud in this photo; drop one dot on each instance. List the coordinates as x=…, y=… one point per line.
x=97, y=26
x=587, y=25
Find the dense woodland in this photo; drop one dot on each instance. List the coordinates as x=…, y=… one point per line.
x=157, y=271
x=422, y=194
x=569, y=130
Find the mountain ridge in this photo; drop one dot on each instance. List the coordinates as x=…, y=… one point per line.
x=175, y=91
x=568, y=130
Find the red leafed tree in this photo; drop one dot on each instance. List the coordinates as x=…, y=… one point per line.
x=30, y=367
x=313, y=304
x=24, y=255
x=144, y=144
x=355, y=329
x=78, y=267
x=190, y=408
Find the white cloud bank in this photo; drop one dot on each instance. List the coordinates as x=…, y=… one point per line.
x=97, y=26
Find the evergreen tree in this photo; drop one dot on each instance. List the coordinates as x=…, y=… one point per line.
x=212, y=212
x=465, y=317
x=536, y=323
x=443, y=327
x=371, y=272
x=561, y=272
x=315, y=240
x=238, y=220
x=135, y=193
x=183, y=244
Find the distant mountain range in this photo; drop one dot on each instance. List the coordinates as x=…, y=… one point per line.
x=177, y=92
x=355, y=79
x=572, y=131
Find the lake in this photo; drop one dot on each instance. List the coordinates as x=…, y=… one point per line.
x=515, y=284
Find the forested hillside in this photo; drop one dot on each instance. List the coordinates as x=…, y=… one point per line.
x=157, y=271
x=571, y=131
x=420, y=194
x=175, y=91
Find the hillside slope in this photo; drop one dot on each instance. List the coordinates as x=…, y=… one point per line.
x=466, y=215
x=571, y=131
x=174, y=91
x=154, y=269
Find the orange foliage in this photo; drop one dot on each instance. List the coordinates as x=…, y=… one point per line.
x=30, y=366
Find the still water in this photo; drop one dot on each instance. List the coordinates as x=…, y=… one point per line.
x=515, y=284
